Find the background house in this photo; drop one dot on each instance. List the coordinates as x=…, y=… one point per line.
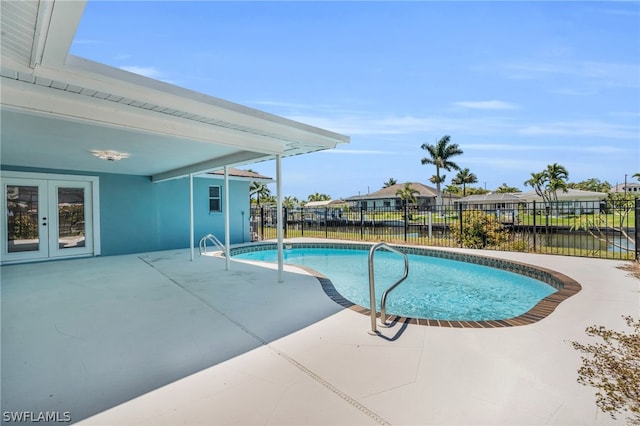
x=490, y=201
x=629, y=188
x=573, y=201
x=386, y=197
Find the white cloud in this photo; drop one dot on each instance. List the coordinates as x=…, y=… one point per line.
x=86, y=41
x=499, y=147
x=367, y=125
x=357, y=152
x=607, y=74
x=494, y=104
x=581, y=128
x=622, y=12
x=353, y=124
x=150, y=72
x=510, y=164
x=553, y=147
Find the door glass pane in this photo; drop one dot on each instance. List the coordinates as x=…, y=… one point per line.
x=22, y=218
x=71, y=229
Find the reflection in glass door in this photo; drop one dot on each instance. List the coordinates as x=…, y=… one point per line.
x=71, y=218
x=71, y=223
x=24, y=205
x=46, y=219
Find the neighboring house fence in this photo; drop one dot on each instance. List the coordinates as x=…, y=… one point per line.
x=603, y=230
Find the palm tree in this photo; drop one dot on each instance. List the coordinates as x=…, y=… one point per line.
x=260, y=190
x=319, y=197
x=407, y=194
x=547, y=182
x=636, y=175
x=289, y=201
x=537, y=182
x=390, y=182
x=506, y=189
x=556, y=177
x=464, y=177
x=440, y=156
x=452, y=189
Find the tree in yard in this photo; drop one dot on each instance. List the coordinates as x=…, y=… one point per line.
x=506, y=189
x=548, y=182
x=612, y=366
x=557, y=176
x=318, y=197
x=477, y=190
x=290, y=202
x=479, y=230
x=437, y=180
x=593, y=184
x=390, y=182
x=407, y=194
x=440, y=156
x=636, y=175
x=464, y=177
x=537, y=181
x=260, y=190
x=452, y=189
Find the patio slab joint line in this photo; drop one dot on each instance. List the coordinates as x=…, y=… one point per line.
x=352, y=401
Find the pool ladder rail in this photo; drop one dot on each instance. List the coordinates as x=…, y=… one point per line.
x=372, y=285
x=212, y=238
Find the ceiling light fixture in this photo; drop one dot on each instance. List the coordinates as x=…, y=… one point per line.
x=110, y=155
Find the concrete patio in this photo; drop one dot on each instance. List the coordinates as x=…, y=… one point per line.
x=156, y=339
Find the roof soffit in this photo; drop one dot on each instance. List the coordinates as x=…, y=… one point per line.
x=70, y=106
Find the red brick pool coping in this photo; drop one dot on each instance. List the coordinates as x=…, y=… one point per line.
x=565, y=285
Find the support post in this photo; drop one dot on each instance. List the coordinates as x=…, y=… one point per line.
x=191, y=224
x=637, y=236
x=534, y=225
x=279, y=217
x=406, y=221
x=460, y=219
x=227, y=233
x=326, y=222
x=286, y=220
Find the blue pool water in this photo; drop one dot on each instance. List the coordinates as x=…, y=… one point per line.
x=435, y=288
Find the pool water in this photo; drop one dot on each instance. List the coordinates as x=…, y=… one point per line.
x=436, y=288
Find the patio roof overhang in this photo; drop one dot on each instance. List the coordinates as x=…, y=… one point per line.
x=57, y=108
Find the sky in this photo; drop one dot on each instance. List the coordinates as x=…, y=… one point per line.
x=517, y=85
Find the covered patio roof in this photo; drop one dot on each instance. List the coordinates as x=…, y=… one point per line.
x=57, y=109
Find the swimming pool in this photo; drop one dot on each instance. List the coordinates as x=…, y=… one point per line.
x=440, y=285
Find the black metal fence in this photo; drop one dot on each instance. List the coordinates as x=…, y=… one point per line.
x=605, y=229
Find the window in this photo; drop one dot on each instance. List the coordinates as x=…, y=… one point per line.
x=214, y=199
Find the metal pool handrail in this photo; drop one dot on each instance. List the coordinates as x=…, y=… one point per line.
x=213, y=239
x=372, y=285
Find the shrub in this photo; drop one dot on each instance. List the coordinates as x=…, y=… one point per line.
x=479, y=230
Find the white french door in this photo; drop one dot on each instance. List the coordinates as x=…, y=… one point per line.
x=47, y=218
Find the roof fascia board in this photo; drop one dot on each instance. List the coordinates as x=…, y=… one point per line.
x=43, y=19
x=25, y=96
x=206, y=166
x=60, y=31
x=235, y=178
x=114, y=80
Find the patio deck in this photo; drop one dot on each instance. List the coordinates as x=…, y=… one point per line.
x=156, y=339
